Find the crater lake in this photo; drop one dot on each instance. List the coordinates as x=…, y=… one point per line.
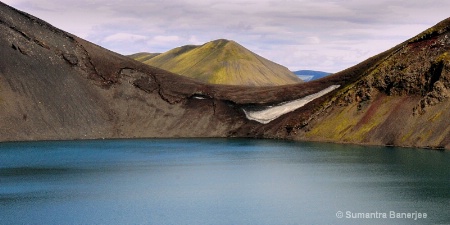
x=221, y=181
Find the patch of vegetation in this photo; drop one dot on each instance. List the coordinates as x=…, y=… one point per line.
x=350, y=124
x=407, y=135
x=435, y=117
x=439, y=28
x=444, y=57
x=337, y=127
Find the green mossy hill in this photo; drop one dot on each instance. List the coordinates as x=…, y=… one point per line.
x=143, y=56
x=222, y=62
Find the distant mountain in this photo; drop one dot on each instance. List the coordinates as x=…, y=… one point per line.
x=309, y=75
x=143, y=56
x=221, y=62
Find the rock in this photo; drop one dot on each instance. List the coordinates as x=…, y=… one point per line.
x=70, y=58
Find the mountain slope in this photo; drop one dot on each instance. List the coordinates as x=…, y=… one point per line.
x=223, y=62
x=401, y=101
x=143, y=56
x=54, y=86
x=397, y=98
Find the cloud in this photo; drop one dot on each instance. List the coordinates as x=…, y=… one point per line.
x=193, y=40
x=325, y=35
x=170, y=38
x=120, y=37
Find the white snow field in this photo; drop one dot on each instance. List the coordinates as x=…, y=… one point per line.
x=272, y=112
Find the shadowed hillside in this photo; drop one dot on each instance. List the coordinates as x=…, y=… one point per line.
x=222, y=62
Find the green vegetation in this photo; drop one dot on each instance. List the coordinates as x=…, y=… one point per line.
x=444, y=57
x=143, y=56
x=351, y=125
x=221, y=62
x=435, y=117
x=439, y=28
x=335, y=128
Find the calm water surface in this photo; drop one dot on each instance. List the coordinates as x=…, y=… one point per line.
x=220, y=181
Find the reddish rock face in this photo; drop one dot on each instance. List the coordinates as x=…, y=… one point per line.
x=54, y=85
x=401, y=100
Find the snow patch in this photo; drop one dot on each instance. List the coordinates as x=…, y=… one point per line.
x=270, y=113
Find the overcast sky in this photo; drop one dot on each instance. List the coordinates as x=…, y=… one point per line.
x=299, y=34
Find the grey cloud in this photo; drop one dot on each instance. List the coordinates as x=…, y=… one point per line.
x=297, y=34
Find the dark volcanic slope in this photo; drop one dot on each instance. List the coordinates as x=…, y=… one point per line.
x=401, y=101
x=54, y=85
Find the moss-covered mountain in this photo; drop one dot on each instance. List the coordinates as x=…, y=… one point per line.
x=221, y=62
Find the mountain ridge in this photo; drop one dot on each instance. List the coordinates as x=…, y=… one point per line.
x=143, y=56
x=223, y=62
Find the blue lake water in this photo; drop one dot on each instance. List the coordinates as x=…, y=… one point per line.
x=220, y=181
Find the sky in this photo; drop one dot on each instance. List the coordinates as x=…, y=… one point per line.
x=300, y=34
